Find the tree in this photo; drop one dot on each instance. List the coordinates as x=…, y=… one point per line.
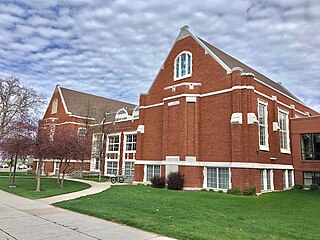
x=42, y=149
x=88, y=112
x=103, y=128
x=66, y=146
x=18, y=143
x=17, y=103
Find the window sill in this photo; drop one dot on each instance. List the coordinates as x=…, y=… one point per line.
x=285, y=151
x=181, y=78
x=264, y=148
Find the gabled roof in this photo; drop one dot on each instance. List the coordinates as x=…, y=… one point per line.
x=76, y=102
x=228, y=63
x=231, y=62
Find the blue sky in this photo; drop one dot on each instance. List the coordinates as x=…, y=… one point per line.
x=115, y=48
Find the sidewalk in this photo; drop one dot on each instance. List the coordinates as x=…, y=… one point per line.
x=96, y=187
x=25, y=219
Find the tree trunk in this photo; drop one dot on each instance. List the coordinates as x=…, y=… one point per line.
x=64, y=172
x=13, y=184
x=60, y=164
x=10, y=169
x=38, y=178
x=81, y=168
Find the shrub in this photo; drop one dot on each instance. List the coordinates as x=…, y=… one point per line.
x=234, y=191
x=314, y=187
x=250, y=191
x=297, y=187
x=158, y=182
x=211, y=190
x=220, y=191
x=175, y=181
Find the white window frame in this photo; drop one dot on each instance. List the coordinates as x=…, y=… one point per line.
x=266, y=126
x=265, y=180
x=56, y=167
x=121, y=117
x=205, y=180
x=79, y=130
x=178, y=58
x=125, y=152
x=135, y=113
x=145, y=171
x=284, y=150
x=115, y=152
x=286, y=176
x=93, y=163
x=54, y=107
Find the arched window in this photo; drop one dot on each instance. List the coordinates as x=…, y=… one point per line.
x=121, y=115
x=135, y=114
x=183, y=65
x=54, y=107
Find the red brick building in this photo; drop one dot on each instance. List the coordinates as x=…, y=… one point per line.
x=211, y=117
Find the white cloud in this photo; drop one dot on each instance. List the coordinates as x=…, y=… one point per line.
x=115, y=48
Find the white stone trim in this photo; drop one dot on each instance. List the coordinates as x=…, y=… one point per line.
x=63, y=101
x=152, y=105
x=248, y=87
x=76, y=116
x=175, y=103
x=217, y=164
x=190, y=84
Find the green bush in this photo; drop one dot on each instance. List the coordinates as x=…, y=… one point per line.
x=211, y=190
x=175, y=181
x=220, y=191
x=158, y=182
x=314, y=187
x=234, y=191
x=297, y=187
x=250, y=191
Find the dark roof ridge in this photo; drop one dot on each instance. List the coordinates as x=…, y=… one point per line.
x=89, y=94
x=230, y=60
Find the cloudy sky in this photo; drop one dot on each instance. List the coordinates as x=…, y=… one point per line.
x=115, y=48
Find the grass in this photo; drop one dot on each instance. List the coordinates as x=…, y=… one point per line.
x=18, y=174
x=207, y=215
x=49, y=187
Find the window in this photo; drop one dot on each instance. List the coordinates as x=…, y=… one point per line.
x=97, y=142
x=135, y=114
x=183, y=66
x=112, y=167
x=131, y=141
x=121, y=115
x=52, y=130
x=284, y=131
x=54, y=107
x=263, y=125
x=82, y=132
x=152, y=170
x=310, y=178
x=113, y=143
x=218, y=178
x=266, y=180
x=129, y=168
x=287, y=179
x=310, y=146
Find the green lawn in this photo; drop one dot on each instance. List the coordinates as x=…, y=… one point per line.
x=26, y=187
x=207, y=215
x=19, y=174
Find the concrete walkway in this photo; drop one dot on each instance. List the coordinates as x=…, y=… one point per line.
x=21, y=218
x=96, y=187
